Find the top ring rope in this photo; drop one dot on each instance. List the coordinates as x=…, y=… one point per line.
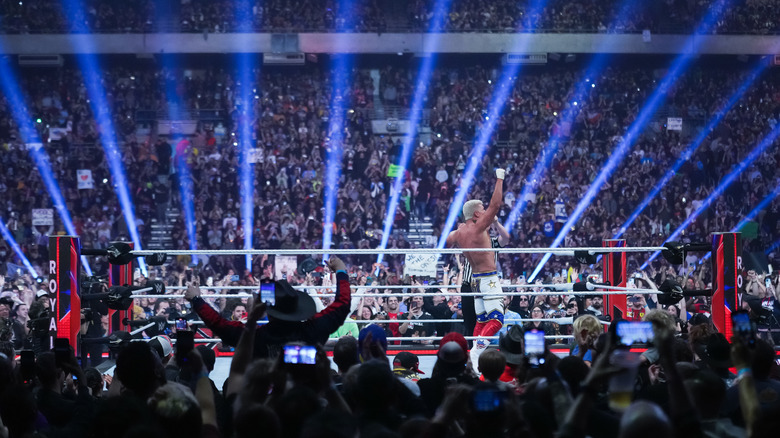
x=557, y=251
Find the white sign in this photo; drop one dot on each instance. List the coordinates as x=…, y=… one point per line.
x=421, y=265
x=84, y=177
x=674, y=123
x=285, y=265
x=255, y=155
x=42, y=216
x=32, y=146
x=56, y=133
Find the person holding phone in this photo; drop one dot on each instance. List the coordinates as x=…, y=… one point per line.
x=473, y=233
x=292, y=318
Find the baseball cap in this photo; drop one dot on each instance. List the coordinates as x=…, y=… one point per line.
x=162, y=345
x=408, y=360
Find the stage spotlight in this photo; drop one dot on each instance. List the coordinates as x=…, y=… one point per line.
x=246, y=61
x=9, y=81
x=547, y=153
x=679, y=66
x=16, y=249
x=418, y=101
x=495, y=109
x=767, y=141
x=93, y=82
x=177, y=138
x=689, y=151
x=340, y=73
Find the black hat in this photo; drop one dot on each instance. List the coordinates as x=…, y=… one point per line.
x=717, y=352
x=408, y=360
x=291, y=304
x=511, y=345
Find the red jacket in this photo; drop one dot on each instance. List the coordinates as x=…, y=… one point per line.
x=270, y=337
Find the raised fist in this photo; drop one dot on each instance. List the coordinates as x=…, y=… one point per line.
x=500, y=173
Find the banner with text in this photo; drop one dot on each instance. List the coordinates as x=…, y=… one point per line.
x=674, y=123
x=42, y=216
x=421, y=265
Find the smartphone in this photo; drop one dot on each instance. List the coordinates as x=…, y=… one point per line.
x=486, y=400
x=210, y=281
x=768, y=282
x=268, y=293
x=181, y=324
x=743, y=327
x=27, y=365
x=185, y=343
x=299, y=354
x=234, y=278
x=188, y=275
x=635, y=332
x=425, y=282
x=61, y=351
x=534, y=347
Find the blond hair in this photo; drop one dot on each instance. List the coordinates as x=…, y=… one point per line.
x=470, y=207
x=589, y=323
x=661, y=319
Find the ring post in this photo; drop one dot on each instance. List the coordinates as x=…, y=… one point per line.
x=65, y=289
x=727, y=279
x=119, y=275
x=615, y=267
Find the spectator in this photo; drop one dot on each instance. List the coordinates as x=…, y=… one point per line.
x=293, y=317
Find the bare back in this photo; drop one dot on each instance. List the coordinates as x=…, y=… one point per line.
x=472, y=235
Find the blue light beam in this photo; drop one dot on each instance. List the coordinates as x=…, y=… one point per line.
x=186, y=192
x=248, y=93
x=496, y=107
x=335, y=143
x=93, y=82
x=420, y=92
x=690, y=150
x=10, y=86
x=546, y=154
x=658, y=96
x=17, y=250
x=767, y=141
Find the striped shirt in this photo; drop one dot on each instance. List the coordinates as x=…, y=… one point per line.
x=467, y=266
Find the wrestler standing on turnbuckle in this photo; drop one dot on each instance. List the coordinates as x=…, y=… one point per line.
x=484, y=279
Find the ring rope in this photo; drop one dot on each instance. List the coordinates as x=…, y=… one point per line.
x=370, y=251
x=559, y=286
x=411, y=294
x=392, y=338
x=560, y=321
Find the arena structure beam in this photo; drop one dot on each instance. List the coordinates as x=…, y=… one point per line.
x=394, y=43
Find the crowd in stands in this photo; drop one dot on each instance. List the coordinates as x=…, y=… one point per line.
x=220, y=16
x=682, y=385
x=290, y=127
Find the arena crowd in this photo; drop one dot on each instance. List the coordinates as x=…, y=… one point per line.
x=690, y=382
x=375, y=16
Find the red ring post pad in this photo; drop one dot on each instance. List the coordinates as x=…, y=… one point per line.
x=119, y=275
x=615, y=267
x=727, y=279
x=64, y=289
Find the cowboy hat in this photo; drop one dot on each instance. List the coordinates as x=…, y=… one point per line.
x=291, y=304
x=511, y=345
